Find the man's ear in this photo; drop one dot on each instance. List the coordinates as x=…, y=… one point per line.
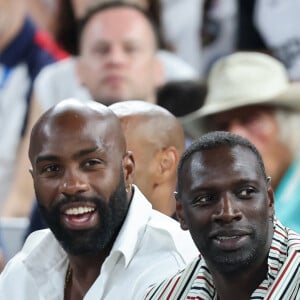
x=31, y=172
x=128, y=168
x=180, y=214
x=167, y=164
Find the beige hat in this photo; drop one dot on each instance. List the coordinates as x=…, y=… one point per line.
x=243, y=79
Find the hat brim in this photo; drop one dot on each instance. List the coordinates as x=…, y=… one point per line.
x=193, y=123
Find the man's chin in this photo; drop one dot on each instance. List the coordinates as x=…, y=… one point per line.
x=114, y=97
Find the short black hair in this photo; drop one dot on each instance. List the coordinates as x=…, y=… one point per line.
x=117, y=4
x=216, y=139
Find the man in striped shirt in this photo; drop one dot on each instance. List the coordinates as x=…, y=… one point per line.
x=226, y=201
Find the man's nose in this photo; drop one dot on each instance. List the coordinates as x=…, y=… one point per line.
x=117, y=55
x=73, y=183
x=227, y=209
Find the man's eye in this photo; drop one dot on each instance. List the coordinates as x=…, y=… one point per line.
x=50, y=170
x=246, y=193
x=92, y=163
x=101, y=49
x=54, y=168
x=131, y=48
x=203, y=200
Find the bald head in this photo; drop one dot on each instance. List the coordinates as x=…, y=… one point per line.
x=70, y=119
x=156, y=123
x=156, y=140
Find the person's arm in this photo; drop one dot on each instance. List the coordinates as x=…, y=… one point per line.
x=20, y=198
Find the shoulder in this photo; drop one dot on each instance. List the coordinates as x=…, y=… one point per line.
x=173, y=285
x=57, y=69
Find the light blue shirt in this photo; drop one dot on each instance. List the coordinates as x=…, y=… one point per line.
x=287, y=198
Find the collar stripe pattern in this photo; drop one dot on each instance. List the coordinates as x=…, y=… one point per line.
x=282, y=280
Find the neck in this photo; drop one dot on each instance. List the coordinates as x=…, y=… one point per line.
x=84, y=272
x=11, y=20
x=239, y=285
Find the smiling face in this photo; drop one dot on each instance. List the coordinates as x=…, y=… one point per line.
x=80, y=170
x=227, y=205
x=117, y=59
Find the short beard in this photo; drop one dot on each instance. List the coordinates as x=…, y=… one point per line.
x=91, y=241
x=234, y=262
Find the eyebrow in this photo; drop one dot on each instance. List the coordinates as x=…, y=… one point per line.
x=77, y=155
x=85, y=152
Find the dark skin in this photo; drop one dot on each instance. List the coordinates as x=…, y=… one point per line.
x=87, y=163
x=228, y=206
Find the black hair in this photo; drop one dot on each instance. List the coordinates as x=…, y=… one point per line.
x=116, y=4
x=216, y=139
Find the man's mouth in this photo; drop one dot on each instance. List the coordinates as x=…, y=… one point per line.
x=225, y=238
x=79, y=217
x=230, y=240
x=79, y=210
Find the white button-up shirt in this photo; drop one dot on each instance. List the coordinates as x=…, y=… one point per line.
x=149, y=247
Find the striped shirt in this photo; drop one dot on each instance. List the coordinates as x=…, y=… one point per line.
x=282, y=281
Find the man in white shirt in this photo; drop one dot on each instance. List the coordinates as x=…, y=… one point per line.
x=105, y=241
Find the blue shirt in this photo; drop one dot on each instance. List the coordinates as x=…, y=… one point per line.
x=287, y=198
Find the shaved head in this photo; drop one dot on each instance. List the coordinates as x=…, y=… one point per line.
x=156, y=139
x=72, y=114
x=159, y=125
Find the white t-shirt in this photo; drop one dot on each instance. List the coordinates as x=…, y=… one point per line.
x=149, y=248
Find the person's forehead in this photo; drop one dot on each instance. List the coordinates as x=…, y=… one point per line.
x=73, y=126
x=122, y=22
x=220, y=169
x=237, y=159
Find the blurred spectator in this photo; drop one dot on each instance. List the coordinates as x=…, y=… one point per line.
x=181, y=23
x=200, y=31
x=24, y=51
x=156, y=139
x=249, y=94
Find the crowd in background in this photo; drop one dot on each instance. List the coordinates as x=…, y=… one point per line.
x=44, y=59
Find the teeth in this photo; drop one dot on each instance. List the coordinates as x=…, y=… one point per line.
x=79, y=210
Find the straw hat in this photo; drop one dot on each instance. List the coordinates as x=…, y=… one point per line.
x=243, y=79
